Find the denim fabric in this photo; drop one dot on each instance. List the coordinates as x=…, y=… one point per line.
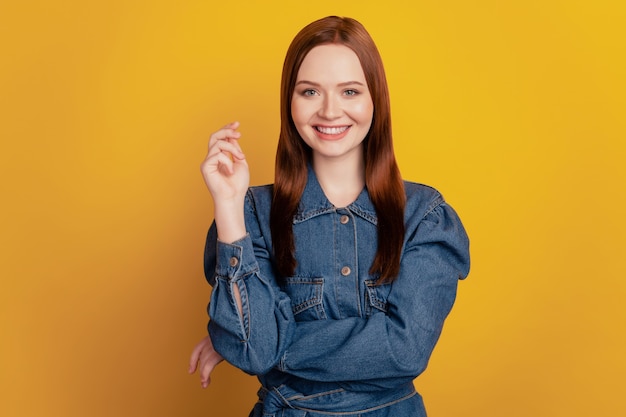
x=328, y=340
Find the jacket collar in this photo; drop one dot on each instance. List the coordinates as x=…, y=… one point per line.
x=314, y=202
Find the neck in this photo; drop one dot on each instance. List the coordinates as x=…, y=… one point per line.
x=342, y=180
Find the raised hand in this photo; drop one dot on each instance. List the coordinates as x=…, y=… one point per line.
x=226, y=174
x=225, y=169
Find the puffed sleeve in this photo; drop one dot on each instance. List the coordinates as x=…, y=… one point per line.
x=254, y=339
x=398, y=342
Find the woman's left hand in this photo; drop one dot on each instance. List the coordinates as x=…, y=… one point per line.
x=205, y=358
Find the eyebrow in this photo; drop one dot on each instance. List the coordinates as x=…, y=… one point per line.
x=343, y=84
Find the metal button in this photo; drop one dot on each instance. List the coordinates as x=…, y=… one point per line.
x=345, y=271
x=234, y=261
x=344, y=219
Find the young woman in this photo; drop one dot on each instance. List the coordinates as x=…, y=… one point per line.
x=333, y=284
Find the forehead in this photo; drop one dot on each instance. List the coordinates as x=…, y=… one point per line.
x=331, y=62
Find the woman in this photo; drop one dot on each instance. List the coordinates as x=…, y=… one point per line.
x=333, y=284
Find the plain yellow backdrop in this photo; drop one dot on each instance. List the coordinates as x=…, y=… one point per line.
x=515, y=110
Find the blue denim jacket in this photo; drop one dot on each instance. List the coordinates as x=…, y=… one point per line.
x=329, y=340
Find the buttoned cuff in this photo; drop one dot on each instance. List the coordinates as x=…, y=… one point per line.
x=235, y=260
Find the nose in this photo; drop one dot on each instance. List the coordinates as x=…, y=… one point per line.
x=331, y=107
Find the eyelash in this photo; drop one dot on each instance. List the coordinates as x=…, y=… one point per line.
x=309, y=92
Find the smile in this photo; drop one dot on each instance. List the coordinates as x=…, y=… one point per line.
x=331, y=130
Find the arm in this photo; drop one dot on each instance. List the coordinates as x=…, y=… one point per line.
x=397, y=342
x=253, y=335
x=232, y=267
x=226, y=175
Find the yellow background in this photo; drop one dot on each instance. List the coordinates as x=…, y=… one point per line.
x=513, y=109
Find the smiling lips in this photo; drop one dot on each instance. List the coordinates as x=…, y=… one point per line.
x=331, y=132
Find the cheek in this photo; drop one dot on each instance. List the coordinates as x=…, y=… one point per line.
x=298, y=115
x=364, y=112
x=298, y=112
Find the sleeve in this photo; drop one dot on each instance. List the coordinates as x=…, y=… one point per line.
x=398, y=342
x=255, y=339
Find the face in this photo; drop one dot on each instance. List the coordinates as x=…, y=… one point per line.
x=331, y=105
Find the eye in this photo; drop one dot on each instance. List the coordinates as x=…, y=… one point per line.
x=309, y=92
x=351, y=92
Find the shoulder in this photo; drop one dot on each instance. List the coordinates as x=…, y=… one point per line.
x=257, y=209
x=430, y=219
x=421, y=199
x=261, y=190
x=260, y=194
x=259, y=198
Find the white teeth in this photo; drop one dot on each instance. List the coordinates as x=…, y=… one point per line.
x=331, y=130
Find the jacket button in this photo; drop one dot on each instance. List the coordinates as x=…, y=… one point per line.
x=344, y=219
x=234, y=261
x=345, y=271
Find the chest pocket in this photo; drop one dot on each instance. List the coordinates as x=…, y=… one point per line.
x=376, y=297
x=306, y=296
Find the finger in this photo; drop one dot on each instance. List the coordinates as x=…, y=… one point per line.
x=228, y=131
x=235, y=143
x=232, y=125
x=223, y=135
x=216, y=163
x=229, y=145
x=195, y=355
x=193, y=365
x=204, y=383
x=209, y=359
x=193, y=362
x=222, y=161
x=206, y=370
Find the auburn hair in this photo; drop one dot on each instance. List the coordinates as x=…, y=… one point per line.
x=382, y=176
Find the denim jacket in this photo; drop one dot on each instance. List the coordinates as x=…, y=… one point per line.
x=329, y=339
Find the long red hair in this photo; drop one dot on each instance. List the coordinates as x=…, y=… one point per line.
x=382, y=176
